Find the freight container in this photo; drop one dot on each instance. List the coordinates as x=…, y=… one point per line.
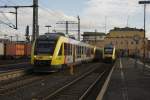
x=14, y=50
x=20, y=49
x=27, y=50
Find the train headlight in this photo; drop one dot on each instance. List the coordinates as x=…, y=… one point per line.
x=34, y=56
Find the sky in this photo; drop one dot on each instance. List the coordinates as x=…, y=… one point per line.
x=97, y=15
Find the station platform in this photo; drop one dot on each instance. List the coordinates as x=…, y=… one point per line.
x=128, y=81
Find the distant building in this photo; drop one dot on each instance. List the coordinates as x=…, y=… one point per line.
x=4, y=40
x=124, y=40
x=125, y=32
x=93, y=37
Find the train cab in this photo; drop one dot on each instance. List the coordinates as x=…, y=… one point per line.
x=52, y=51
x=109, y=53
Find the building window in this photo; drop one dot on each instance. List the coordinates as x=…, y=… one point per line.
x=121, y=42
x=137, y=42
x=110, y=42
x=116, y=42
x=132, y=42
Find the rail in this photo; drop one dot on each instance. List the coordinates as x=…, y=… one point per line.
x=91, y=86
x=13, y=74
x=69, y=84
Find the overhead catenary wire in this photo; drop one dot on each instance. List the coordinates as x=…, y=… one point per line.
x=10, y=22
x=8, y=2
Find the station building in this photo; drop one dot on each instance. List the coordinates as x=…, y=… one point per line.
x=93, y=37
x=129, y=41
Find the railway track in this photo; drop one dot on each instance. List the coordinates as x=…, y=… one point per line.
x=11, y=64
x=33, y=87
x=10, y=87
x=11, y=74
x=16, y=66
x=78, y=88
x=12, y=71
x=13, y=61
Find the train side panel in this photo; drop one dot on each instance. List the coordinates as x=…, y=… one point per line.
x=66, y=51
x=58, y=56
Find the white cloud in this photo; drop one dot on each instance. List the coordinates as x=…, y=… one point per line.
x=46, y=17
x=116, y=11
x=93, y=16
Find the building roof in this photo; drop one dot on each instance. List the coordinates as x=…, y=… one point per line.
x=126, y=29
x=4, y=40
x=93, y=34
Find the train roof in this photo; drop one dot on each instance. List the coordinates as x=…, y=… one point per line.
x=51, y=36
x=72, y=41
x=55, y=36
x=109, y=46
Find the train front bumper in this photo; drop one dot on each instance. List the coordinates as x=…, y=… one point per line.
x=41, y=57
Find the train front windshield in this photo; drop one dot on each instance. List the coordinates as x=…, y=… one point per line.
x=108, y=50
x=45, y=47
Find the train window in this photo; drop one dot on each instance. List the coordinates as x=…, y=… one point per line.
x=108, y=50
x=91, y=51
x=87, y=52
x=82, y=50
x=65, y=48
x=70, y=49
x=78, y=51
x=45, y=47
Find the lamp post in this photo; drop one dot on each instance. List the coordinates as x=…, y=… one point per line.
x=48, y=26
x=78, y=28
x=144, y=3
x=95, y=36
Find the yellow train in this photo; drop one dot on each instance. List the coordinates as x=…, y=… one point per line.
x=109, y=53
x=52, y=51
